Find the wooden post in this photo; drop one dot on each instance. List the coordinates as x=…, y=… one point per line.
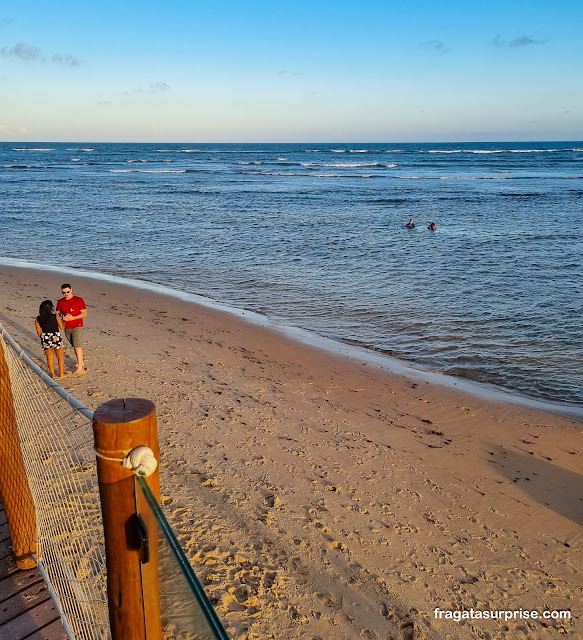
x=132, y=588
x=14, y=488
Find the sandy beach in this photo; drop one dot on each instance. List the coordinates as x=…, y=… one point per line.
x=319, y=497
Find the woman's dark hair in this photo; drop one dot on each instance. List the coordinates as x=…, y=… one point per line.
x=45, y=310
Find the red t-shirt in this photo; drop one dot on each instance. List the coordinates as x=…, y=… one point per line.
x=73, y=306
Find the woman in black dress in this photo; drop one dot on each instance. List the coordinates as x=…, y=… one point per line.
x=47, y=327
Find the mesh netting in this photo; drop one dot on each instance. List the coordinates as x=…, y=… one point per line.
x=56, y=439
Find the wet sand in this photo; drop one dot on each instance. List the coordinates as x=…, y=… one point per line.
x=320, y=497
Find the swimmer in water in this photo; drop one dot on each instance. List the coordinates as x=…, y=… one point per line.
x=410, y=224
x=432, y=226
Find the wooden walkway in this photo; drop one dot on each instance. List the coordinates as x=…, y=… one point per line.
x=27, y=611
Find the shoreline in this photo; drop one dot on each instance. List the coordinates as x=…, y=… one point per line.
x=320, y=497
x=364, y=354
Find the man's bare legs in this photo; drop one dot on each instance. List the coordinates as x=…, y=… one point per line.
x=80, y=368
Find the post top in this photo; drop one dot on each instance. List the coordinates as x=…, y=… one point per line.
x=121, y=410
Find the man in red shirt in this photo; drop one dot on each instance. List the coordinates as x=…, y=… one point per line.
x=72, y=310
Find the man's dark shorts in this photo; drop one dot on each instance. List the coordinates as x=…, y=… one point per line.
x=75, y=337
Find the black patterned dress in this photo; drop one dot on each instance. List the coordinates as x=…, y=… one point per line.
x=50, y=337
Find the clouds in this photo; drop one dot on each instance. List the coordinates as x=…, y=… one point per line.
x=22, y=51
x=434, y=46
x=155, y=87
x=438, y=47
x=5, y=22
x=285, y=73
x=520, y=41
x=29, y=53
x=66, y=60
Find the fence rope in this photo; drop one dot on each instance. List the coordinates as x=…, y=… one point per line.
x=56, y=438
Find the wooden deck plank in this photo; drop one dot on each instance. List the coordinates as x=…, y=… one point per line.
x=18, y=582
x=5, y=542
x=53, y=631
x=23, y=601
x=30, y=622
x=27, y=611
x=8, y=566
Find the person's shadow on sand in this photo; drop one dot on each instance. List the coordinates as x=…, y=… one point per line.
x=546, y=483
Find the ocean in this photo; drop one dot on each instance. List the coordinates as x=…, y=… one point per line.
x=313, y=236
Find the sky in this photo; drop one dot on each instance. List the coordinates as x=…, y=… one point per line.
x=301, y=71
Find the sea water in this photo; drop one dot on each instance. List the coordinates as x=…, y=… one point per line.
x=314, y=236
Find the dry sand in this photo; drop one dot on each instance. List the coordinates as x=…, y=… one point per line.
x=318, y=497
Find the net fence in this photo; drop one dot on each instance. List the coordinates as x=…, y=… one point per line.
x=56, y=438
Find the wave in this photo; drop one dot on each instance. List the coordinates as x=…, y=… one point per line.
x=178, y=150
x=147, y=170
x=307, y=175
x=388, y=200
x=463, y=178
x=497, y=151
x=440, y=151
x=349, y=165
x=31, y=149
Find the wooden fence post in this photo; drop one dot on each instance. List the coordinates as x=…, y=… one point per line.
x=14, y=488
x=132, y=587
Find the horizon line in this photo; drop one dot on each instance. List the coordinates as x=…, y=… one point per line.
x=311, y=142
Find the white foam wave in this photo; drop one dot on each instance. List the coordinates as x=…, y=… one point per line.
x=161, y=171
x=535, y=150
x=328, y=175
x=349, y=165
x=147, y=170
x=30, y=149
x=495, y=151
x=304, y=175
x=465, y=178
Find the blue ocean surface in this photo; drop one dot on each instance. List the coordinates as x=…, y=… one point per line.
x=314, y=236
